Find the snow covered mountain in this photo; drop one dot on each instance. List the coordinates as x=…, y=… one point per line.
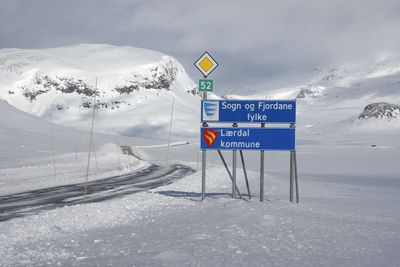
x=347, y=143
x=335, y=99
x=135, y=87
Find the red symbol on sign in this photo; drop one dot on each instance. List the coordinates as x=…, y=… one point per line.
x=210, y=136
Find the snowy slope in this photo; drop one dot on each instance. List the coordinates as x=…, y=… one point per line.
x=134, y=91
x=332, y=99
x=348, y=171
x=38, y=154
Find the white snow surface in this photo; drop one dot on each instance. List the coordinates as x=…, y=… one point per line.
x=52, y=83
x=349, y=179
x=342, y=220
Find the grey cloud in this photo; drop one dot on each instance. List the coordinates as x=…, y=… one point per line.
x=253, y=40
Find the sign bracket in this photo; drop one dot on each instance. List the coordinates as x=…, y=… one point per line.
x=228, y=171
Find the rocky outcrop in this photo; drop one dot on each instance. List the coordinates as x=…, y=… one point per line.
x=159, y=77
x=380, y=110
x=42, y=84
x=310, y=92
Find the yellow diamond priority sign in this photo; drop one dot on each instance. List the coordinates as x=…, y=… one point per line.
x=206, y=64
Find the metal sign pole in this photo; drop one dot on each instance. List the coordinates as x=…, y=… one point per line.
x=245, y=173
x=203, y=164
x=291, y=178
x=295, y=176
x=234, y=174
x=262, y=171
x=234, y=170
x=203, y=175
x=205, y=64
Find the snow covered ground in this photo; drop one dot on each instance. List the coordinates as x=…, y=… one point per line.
x=349, y=179
x=346, y=220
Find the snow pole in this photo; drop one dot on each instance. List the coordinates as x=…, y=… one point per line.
x=90, y=144
x=119, y=148
x=169, y=139
x=76, y=148
x=52, y=145
x=197, y=162
x=95, y=156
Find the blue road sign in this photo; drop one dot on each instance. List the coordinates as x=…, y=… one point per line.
x=248, y=138
x=249, y=111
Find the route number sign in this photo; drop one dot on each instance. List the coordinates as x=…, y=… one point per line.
x=206, y=85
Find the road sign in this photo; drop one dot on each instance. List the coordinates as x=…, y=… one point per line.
x=249, y=111
x=206, y=64
x=248, y=138
x=206, y=85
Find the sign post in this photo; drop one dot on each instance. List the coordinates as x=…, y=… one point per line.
x=295, y=176
x=234, y=169
x=251, y=138
x=205, y=64
x=203, y=163
x=203, y=174
x=262, y=171
x=236, y=138
x=291, y=178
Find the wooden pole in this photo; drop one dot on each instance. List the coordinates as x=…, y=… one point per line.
x=169, y=139
x=118, y=150
x=95, y=156
x=90, y=143
x=52, y=145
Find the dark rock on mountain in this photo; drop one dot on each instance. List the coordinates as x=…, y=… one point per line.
x=310, y=93
x=380, y=110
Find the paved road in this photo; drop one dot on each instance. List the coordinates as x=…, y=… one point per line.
x=32, y=202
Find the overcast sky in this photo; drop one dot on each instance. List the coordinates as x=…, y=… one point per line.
x=253, y=40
